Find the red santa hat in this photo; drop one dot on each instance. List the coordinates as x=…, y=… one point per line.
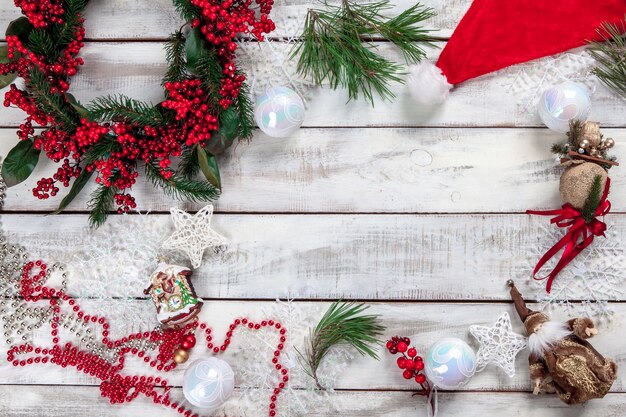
x=495, y=34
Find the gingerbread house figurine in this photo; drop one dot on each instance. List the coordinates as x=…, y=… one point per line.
x=173, y=295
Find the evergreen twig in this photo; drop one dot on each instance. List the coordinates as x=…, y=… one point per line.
x=188, y=11
x=593, y=199
x=126, y=109
x=51, y=103
x=209, y=70
x=41, y=43
x=189, y=165
x=180, y=187
x=336, y=46
x=610, y=55
x=101, y=202
x=175, y=55
x=245, y=108
x=71, y=21
x=342, y=323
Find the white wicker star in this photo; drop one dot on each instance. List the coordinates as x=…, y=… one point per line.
x=498, y=345
x=193, y=234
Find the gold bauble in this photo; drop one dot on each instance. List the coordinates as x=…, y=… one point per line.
x=591, y=132
x=577, y=181
x=181, y=356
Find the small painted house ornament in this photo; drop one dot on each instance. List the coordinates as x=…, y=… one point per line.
x=173, y=295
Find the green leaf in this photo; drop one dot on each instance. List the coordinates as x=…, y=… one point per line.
x=4, y=58
x=21, y=28
x=194, y=48
x=208, y=166
x=20, y=162
x=77, y=106
x=77, y=186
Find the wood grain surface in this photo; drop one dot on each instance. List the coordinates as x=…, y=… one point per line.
x=418, y=211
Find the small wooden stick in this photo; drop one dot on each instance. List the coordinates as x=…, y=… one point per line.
x=576, y=155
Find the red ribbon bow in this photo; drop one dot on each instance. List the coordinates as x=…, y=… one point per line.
x=580, y=234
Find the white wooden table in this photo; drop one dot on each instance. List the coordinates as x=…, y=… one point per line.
x=382, y=205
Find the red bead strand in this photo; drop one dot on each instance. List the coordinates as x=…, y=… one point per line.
x=116, y=387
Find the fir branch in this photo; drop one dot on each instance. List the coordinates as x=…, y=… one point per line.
x=127, y=109
x=179, y=187
x=101, y=202
x=65, y=33
x=51, y=103
x=245, y=108
x=186, y=10
x=189, y=165
x=209, y=70
x=610, y=55
x=175, y=55
x=559, y=149
x=332, y=47
x=41, y=43
x=593, y=199
x=101, y=149
x=343, y=323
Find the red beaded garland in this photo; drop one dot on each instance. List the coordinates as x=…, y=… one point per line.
x=116, y=387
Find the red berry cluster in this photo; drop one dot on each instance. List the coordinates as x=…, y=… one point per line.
x=188, y=100
x=221, y=23
x=412, y=364
x=40, y=13
x=116, y=385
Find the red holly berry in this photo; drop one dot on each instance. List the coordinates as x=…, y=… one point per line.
x=420, y=378
x=407, y=374
x=419, y=365
x=402, y=347
x=411, y=352
x=401, y=362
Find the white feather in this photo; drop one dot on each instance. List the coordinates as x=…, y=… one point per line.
x=427, y=84
x=549, y=333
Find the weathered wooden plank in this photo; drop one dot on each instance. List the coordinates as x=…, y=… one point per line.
x=385, y=170
x=158, y=18
x=136, y=69
x=425, y=323
x=46, y=401
x=386, y=257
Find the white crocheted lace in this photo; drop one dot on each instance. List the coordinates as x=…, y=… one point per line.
x=193, y=234
x=498, y=345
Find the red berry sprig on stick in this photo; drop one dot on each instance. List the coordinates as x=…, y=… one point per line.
x=410, y=362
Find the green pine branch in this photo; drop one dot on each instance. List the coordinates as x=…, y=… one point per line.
x=101, y=149
x=41, y=43
x=333, y=48
x=609, y=54
x=245, y=108
x=102, y=199
x=186, y=10
x=343, y=323
x=593, y=199
x=189, y=165
x=559, y=149
x=175, y=55
x=180, y=187
x=122, y=108
x=51, y=103
x=65, y=33
x=209, y=70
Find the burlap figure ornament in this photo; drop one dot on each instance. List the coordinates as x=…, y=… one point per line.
x=577, y=181
x=561, y=360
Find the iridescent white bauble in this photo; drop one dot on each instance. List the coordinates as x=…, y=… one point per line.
x=563, y=103
x=450, y=363
x=208, y=383
x=279, y=112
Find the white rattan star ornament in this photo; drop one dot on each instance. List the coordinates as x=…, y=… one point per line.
x=498, y=345
x=193, y=234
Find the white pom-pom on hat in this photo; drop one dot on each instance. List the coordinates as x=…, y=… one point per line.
x=427, y=83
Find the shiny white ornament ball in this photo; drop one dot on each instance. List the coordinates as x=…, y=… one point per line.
x=279, y=112
x=563, y=103
x=208, y=383
x=450, y=363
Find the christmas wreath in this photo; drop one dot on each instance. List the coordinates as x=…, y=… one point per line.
x=206, y=106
